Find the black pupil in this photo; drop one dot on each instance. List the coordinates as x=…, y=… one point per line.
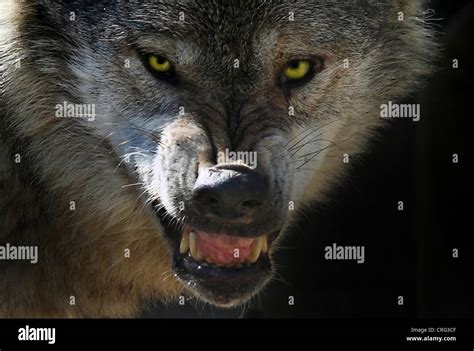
x=294, y=64
x=161, y=60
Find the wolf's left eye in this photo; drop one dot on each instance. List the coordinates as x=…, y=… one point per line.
x=298, y=72
x=159, y=63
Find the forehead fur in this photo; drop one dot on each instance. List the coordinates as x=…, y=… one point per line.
x=231, y=22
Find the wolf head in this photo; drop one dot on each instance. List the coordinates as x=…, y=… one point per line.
x=225, y=119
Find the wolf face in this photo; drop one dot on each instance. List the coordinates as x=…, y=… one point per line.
x=180, y=88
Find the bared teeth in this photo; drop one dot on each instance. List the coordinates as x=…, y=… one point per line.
x=195, y=252
x=189, y=244
x=264, y=244
x=192, y=244
x=256, y=249
x=199, y=257
x=184, y=245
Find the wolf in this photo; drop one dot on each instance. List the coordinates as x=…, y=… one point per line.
x=134, y=204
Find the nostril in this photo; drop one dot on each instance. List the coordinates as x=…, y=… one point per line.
x=204, y=199
x=210, y=201
x=250, y=204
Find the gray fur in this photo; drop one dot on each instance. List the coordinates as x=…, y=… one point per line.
x=69, y=159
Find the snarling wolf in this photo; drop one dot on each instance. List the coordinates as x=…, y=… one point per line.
x=132, y=199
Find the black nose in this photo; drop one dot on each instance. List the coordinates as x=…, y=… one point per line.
x=232, y=192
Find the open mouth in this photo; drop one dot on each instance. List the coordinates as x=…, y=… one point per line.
x=222, y=269
x=222, y=250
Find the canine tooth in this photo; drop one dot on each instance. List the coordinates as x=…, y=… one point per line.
x=184, y=245
x=199, y=256
x=255, y=253
x=192, y=244
x=209, y=260
x=264, y=244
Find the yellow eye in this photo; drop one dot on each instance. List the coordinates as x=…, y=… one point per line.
x=159, y=64
x=297, y=69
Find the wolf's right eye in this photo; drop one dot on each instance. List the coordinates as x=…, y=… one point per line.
x=159, y=66
x=297, y=69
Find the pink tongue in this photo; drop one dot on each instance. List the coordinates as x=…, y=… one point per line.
x=223, y=249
